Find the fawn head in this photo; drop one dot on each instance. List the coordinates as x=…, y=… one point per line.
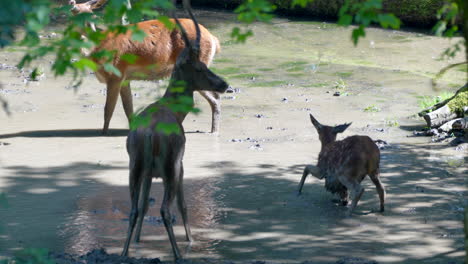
x=327, y=134
x=189, y=68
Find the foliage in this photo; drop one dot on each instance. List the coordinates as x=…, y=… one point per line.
x=178, y=104
x=364, y=14
x=459, y=102
x=371, y=109
x=428, y=101
x=248, y=12
x=68, y=48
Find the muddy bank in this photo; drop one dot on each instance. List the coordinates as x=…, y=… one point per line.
x=415, y=13
x=100, y=256
x=67, y=186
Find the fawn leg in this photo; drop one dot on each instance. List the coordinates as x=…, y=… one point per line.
x=380, y=189
x=309, y=169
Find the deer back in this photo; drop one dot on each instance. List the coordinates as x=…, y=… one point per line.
x=157, y=53
x=355, y=155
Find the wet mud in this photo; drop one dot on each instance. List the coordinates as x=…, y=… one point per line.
x=67, y=186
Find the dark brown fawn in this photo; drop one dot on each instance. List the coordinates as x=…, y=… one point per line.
x=154, y=154
x=344, y=164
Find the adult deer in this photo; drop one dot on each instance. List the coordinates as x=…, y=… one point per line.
x=154, y=154
x=156, y=56
x=344, y=164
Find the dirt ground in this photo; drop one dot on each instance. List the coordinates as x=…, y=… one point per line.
x=67, y=186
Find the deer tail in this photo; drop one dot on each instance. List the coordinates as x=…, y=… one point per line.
x=148, y=160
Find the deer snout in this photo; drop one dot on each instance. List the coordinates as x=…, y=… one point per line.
x=223, y=86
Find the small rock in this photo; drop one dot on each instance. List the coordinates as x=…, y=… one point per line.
x=269, y=128
x=259, y=116
x=236, y=140
x=256, y=147
x=284, y=100
x=381, y=144
x=233, y=90
x=337, y=93
x=433, y=132
x=420, y=133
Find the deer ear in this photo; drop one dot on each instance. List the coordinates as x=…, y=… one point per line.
x=316, y=123
x=341, y=128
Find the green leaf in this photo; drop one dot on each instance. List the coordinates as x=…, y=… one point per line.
x=108, y=67
x=345, y=20
x=168, y=128
x=85, y=63
x=137, y=121
x=138, y=35
x=389, y=20
x=301, y=3
x=167, y=22
x=130, y=58
x=357, y=33
x=238, y=36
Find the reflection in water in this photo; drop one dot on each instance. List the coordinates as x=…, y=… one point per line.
x=102, y=221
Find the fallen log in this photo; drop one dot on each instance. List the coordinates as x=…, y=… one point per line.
x=441, y=104
x=439, y=117
x=460, y=123
x=455, y=124
x=445, y=111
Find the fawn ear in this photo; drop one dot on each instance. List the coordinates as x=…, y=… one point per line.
x=316, y=123
x=341, y=128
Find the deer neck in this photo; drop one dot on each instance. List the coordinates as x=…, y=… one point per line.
x=326, y=145
x=169, y=94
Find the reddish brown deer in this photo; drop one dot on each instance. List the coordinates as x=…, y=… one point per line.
x=154, y=154
x=344, y=164
x=156, y=58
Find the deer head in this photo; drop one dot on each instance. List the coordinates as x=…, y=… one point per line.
x=327, y=134
x=189, y=68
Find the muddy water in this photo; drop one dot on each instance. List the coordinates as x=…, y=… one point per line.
x=67, y=186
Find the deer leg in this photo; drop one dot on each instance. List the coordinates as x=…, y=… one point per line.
x=213, y=99
x=135, y=184
x=144, y=205
x=309, y=169
x=344, y=198
x=356, y=192
x=183, y=206
x=127, y=99
x=170, y=189
x=113, y=89
x=380, y=189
